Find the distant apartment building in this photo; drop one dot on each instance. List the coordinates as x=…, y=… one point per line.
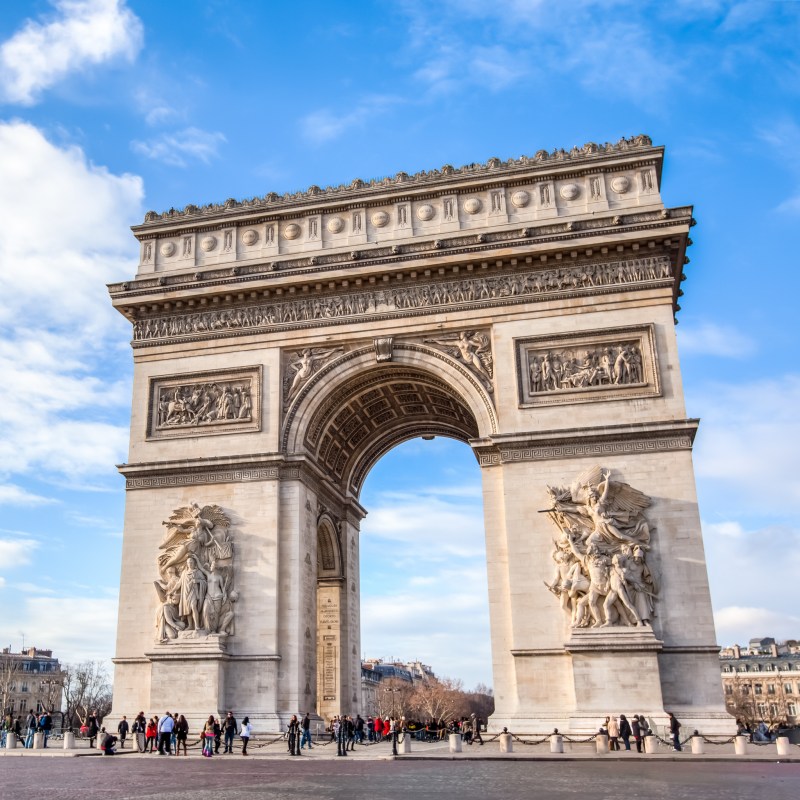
x=30, y=679
x=762, y=681
x=379, y=677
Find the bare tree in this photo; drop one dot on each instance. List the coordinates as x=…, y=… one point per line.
x=740, y=702
x=86, y=689
x=438, y=699
x=9, y=668
x=394, y=698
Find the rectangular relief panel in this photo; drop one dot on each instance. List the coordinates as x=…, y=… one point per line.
x=610, y=364
x=204, y=403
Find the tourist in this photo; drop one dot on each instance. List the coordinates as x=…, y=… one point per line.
x=93, y=725
x=476, y=729
x=30, y=726
x=151, y=734
x=674, y=729
x=306, y=726
x=122, y=730
x=181, y=735
x=247, y=730
x=139, y=729
x=636, y=730
x=165, y=727
x=45, y=724
x=612, y=726
x=370, y=729
x=229, y=727
x=359, y=729
x=350, y=733
x=294, y=733
x=173, y=739
x=625, y=731
x=107, y=743
x=217, y=735
x=208, y=735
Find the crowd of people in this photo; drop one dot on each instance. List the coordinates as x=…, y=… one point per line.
x=636, y=729
x=41, y=722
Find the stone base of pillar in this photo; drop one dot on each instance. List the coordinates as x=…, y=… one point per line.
x=11, y=741
x=38, y=741
x=740, y=745
x=556, y=744
x=69, y=740
x=601, y=743
x=455, y=742
x=651, y=744
x=698, y=745
x=405, y=745
x=506, y=745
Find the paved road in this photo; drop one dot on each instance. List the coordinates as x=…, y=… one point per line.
x=297, y=779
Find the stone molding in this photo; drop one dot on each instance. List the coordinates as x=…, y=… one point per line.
x=528, y=350
x=592, y=640
x=480, y=244
x=469, y=293
x=609, y=440
x=589, y=154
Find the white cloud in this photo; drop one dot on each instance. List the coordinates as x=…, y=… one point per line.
x=75, y=628
x=63, y=234
x=15, y=553
x=323, y=125
x=177, y=149
x=709, y=338
x=81, y=33
x=11, y=495
x=747, y=446
x=739, y=624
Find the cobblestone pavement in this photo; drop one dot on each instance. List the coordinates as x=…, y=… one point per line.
x=365, y=778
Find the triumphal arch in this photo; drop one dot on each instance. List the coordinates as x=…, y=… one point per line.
x=283, y=344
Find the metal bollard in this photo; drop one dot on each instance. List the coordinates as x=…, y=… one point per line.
x=556, y=743
x=783, y=745
x=69, y=740
x=740, y=745
x=455, y=742
x=698, y=745
x=506, y=745
x=651, y=744
x=601, y=743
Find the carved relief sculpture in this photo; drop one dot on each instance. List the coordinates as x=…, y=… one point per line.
x=195, y=585
x=473, y=349
x=303, y=365
x=616, y=364
x=601, y=575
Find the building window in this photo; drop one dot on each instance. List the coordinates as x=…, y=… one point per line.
x=759, y=689
x=791, y=708
x=787, y=688
x=770, y=688
x=728, y=689
x=762, y=710
x=24, y=688
x=773, y=710
x=745, y=688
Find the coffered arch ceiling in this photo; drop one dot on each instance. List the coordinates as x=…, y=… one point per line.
x=377, y=410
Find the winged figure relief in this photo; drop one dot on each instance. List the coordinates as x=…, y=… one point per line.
x=303, y=365
x=472, y=348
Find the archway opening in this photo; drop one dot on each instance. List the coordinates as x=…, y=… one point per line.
x=424, y=595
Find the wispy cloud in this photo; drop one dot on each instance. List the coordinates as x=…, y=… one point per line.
x=15, y=553
x=80, y=33
x=325, y=124
x=12, y=495
x=712, y=339
x=179, y=148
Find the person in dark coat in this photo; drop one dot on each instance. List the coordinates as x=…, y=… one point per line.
x=625, y=731
x=675, y=729
x=636, y=730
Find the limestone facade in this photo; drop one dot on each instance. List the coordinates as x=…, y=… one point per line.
x=283, y=344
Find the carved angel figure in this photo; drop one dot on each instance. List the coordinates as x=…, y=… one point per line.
x=603, y=579
x=196, y=574
x=473, y=349
x=305, y=364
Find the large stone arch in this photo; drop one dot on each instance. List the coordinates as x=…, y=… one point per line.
x=284, y=344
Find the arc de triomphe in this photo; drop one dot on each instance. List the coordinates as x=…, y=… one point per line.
x=283, y=344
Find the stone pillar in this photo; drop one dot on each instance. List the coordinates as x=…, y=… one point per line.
x=69, y=740
x=556, y=743
x=11, y=740
x=651, y=744
x=601, y=743
x=455, y=742
x=783, y=745
x=506, y=745
x=38, y=741
x=740, y=745
x=698, y=745
x=405, y=745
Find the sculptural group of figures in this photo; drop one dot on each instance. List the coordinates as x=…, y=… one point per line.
x=434, y=294
x=601, y=576
x=204, y=403
x=195, y=587
x=615, y=365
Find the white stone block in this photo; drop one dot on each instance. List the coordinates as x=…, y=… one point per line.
x=651, y=744
x=601, y=743
x=506, y=744
x=69, y=740
x=405, y=745
x=38, y=741
x=556, y=743
x=740, y=745
x=784, y=745
x=698, y=745
x=455, y=742
x=11, y=741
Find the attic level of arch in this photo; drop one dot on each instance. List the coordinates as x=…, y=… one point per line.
x=652, y=233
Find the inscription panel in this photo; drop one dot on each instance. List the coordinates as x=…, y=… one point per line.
x=610, y=364
x=197, y=404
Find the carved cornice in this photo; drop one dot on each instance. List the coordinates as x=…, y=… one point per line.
x=608, y=440
x=362, y=192
x=484, y=241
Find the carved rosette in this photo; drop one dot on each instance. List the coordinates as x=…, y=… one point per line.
x=195, y=587
x=601, y=575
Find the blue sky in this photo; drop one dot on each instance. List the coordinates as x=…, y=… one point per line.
x=109, y=108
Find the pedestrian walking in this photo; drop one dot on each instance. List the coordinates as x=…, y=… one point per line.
x=229, y=728
x=674, y=729
x=181, y=735
x=306, y=727
x=208, y=736
x=636, y=730
x=625, y=731
x=151, y=734
x=93, y=728
x=476, y=729
x=122, y=730
x=247, y=730
x=165, y=727
x=613, y=733
x=30, y=728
